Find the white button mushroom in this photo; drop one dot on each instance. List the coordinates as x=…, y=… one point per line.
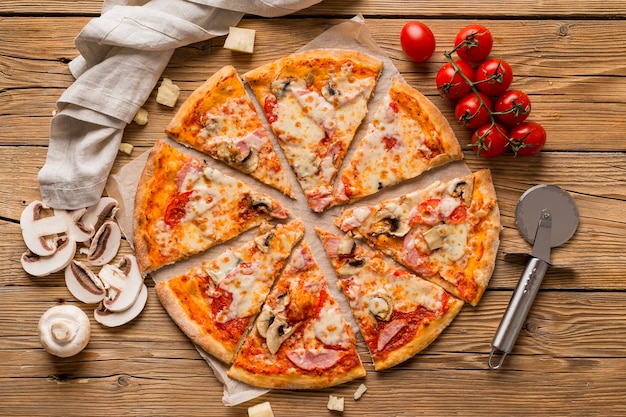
x=114, y=319
x=83, y=283
x=123, y=284
x=64, y=330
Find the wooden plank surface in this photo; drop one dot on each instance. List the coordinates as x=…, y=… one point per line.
x=570, y=358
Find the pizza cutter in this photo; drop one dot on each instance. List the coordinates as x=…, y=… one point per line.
x=546, y=216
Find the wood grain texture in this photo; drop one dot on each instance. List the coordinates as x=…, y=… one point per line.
x=570, y=358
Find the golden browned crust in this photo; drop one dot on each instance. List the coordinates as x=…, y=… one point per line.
x=489, y=233
x=190, y=328
x=424, y=337
x=261, y=76
x=295, y=381
x=448, y=138
x=140, y=241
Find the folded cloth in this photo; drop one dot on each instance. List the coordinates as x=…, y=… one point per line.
x=123, y=54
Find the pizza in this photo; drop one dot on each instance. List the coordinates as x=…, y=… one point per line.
x=265, y=308
x=215, y=303
x=314, y=101
x=407, y=136
x=183, y=207
x=447, y=233
x=300, y=339
x=220, y=120
x=399, y=314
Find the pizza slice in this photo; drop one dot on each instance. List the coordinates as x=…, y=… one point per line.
x=300, y=340
x=407, y=136
x=399, y=314
x=448, y=232
x=183, y=207
x=220, y=120
x=215, y=302
x=314, y=102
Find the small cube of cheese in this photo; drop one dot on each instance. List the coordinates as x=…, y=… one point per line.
x=261, y=410
x=335, y=403
x=240, y=40
x=360, y=391
x=141, y=117
x=168, y=93
x=126, y=148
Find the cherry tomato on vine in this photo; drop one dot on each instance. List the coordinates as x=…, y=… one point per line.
x=450, y=83
x=471, y=112
x=528, y=138
x=490, y=140
x=512, y=107
x=494, y=77
x=474, y=43
x=417, y=41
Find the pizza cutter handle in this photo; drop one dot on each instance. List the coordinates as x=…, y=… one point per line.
x=517, y=310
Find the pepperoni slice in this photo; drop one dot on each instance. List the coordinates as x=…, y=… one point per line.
x=176, y=210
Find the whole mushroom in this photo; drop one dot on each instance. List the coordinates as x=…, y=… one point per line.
x=64, y=330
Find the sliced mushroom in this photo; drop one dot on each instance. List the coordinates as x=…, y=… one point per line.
x=434, y=237
x=105, y=244
x=83, y=283
x=265, y=204
x=462, y=188
x=226, y=262
x=40, y=233
x=250, y=162
x=113, y=319
x=278, y=332
x=123, y=284
x=264, y=321
x=346, y=246
x=351, y=267
x=96, y=215
x=263, y=241
x=449, y=239
x=75, y=227
x=279, y=87
x=389, y=220
x=381, y=306
x=41, y=266
x=64, y=330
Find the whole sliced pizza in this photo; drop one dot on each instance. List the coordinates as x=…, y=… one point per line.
x=265, y=307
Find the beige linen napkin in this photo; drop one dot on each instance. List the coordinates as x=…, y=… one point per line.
x=123, y=53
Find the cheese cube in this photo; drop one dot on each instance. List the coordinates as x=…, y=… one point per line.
x=335, y=403
x=261, y=410
x=141, y=117
x=360, y=391
x=240, y=40
x=168, y=93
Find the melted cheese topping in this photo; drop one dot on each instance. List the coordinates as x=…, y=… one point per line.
x=329, y=328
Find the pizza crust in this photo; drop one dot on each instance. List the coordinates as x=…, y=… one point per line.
x=193, y=330
x=293, y=380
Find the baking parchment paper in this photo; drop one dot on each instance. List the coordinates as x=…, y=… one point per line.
x=352, y=34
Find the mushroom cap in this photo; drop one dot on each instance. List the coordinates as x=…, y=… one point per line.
x=97, y=214
x=64, y=330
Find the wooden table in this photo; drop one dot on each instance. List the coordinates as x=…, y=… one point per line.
x=570, y=358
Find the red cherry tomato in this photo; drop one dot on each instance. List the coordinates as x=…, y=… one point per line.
x=512, y=107
x=470, y=112
x=528, y=138
x=494, y=77
x=450, y=83
x=490, y=140
x=176, y=210
x=473, y=43
x=417, y=41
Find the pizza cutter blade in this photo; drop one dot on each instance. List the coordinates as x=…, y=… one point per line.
x=546, y=216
